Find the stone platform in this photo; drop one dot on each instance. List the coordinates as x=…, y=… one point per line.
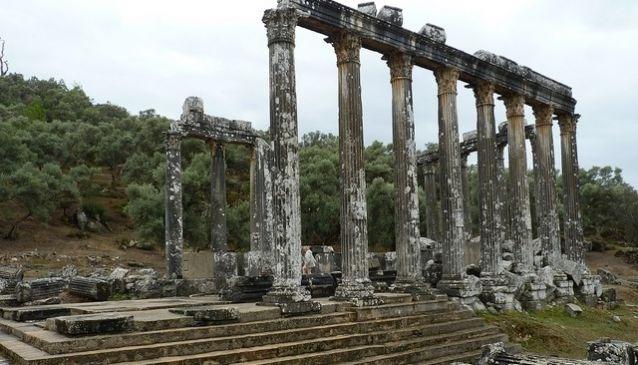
x=170, y=331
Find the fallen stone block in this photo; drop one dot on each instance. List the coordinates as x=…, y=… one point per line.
x=9, y=278
x=573, y=310
x=90, y=324
x=246, y=288
x=91, y=288
x=39, y=289
x=215, y=314
x=611, y=351
x=34, y=313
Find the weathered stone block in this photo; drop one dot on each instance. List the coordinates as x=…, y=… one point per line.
x=215, y=314
x=90, y=324
x=391, y=15
x=34, y=313
x=368, y=8
x=91, y=288
x=611, y=351
x=435, y=33
x=573, y=310
x=39, y=289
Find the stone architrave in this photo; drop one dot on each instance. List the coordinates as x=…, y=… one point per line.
x=355, y=283
x=406, y=207
x=489, y=209
x=518, y=187
x=573, y=229
x=280, y=24
x=219, y=231
x=452, y=230
x=174, y=229
x=548, y=222
x=431, y=201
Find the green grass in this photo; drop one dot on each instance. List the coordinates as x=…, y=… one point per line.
x=553, y=332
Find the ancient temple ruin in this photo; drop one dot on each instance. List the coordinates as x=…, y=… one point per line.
x=505, y=212
x=217, y=132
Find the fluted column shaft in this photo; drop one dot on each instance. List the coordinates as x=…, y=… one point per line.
x=489, y=209
x=573, y=229
x=354, y=215
x=174, y=221
x=518, y=186
x=260, y=199
x=450, y=169
x=280, y=24
x=548, y=222
x=465, y=184
x=219, y=231
x=503, y=196
x=406, y=203
x=431, y=201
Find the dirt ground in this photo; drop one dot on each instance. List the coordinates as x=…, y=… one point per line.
x=42, y=248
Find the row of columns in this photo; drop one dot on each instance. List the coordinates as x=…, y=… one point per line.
x=280, y=24
x=504, y=210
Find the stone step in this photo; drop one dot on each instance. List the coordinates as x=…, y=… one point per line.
x=333, y=336
x=58, y=344
x=337, y=321
x=465, y=349
x=401, y=309
x=377, y=354
x=325, y=350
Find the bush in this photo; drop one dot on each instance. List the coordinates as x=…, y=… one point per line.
x=95, y=210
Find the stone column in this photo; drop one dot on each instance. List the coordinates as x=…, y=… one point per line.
x=431, y=201
x=518, y=187
x=453, y=232
x=280, y=24
x=260, y=199
x=174, y=222
x=489, y=209
x=465, y=184
x=219, y=231
x=354, y=232
x=259, y=260
x=406, y=203
x=502, y=195
x=548, y=222
x=573, y=230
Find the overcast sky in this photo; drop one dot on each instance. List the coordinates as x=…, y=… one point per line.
x=144, y=54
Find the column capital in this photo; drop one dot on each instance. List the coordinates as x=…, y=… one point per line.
x=400, y=66
x=484, y=93
x=446, y=78
x=514, y=105
x=280, y=25
x=347, y=47
x=543, y=115
x=567, y=123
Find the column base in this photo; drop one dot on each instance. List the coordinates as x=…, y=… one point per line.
x=497, y=293
x=460, y=287
x=533, y=294
x=589, y=289
x=564, y=287
x=356, y=292
x=418, y=288
x=292, y=301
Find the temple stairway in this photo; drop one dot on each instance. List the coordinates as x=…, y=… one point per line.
x=402, y=331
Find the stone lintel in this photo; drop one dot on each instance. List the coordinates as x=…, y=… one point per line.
x=329, y=17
